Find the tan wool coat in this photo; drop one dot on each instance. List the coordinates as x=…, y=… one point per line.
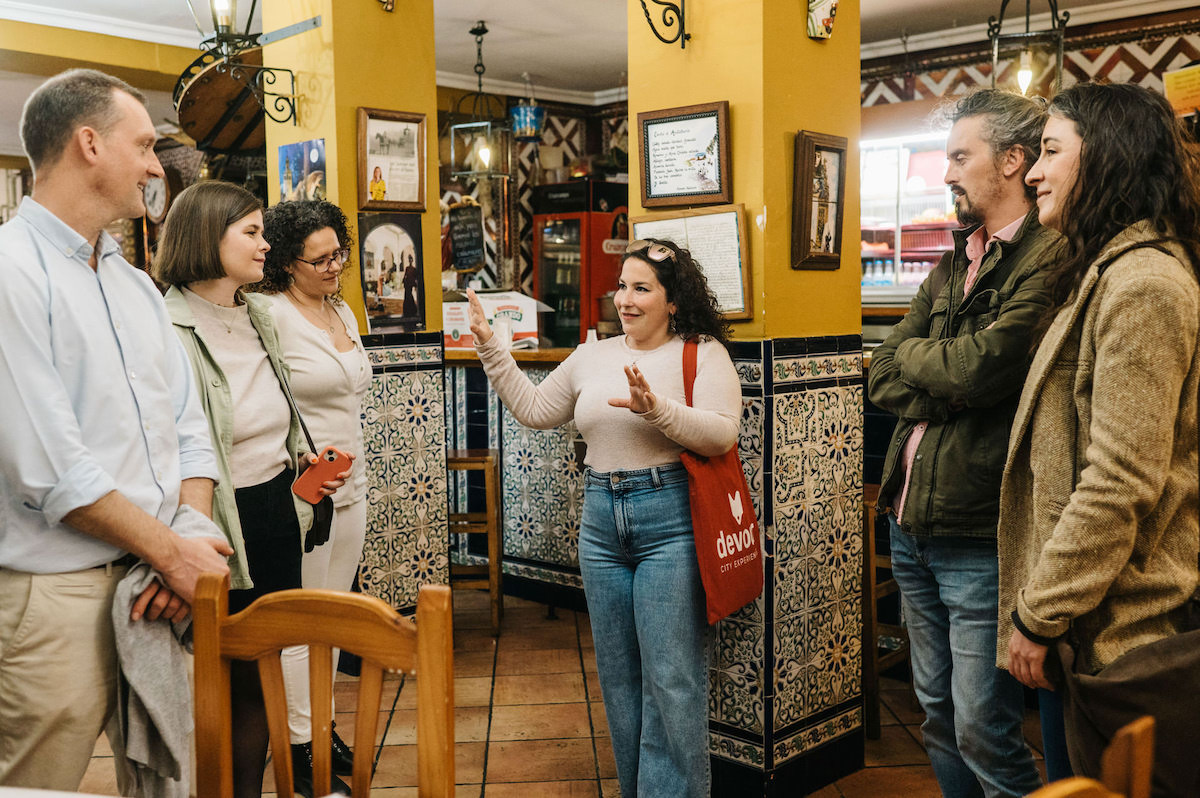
x=1098, y=530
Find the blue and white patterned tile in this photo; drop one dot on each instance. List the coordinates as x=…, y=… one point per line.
x=789, y=672
x=814, y=735
x=834, y=634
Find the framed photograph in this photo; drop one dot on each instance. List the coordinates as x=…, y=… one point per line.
x=818, y=201
x=391, y=160
x=392, y=266
x=684, y=155
x=717, y=240
x=302, y=170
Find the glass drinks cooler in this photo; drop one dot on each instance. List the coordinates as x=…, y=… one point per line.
x=903, y=190
x=580, y=230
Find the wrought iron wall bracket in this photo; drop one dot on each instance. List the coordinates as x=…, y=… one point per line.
x=278, y=107
x=672, y=17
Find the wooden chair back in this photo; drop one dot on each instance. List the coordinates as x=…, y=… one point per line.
x=1074, y=787
x=323, y=620
x=1128, y=762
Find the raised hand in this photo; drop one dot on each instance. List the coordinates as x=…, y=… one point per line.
x=478, y=318
x=640, y=399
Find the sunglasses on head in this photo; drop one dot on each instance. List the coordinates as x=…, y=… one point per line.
x=655, y=252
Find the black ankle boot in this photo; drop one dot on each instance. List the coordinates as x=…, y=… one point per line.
x=343, y=757
x=302, y=773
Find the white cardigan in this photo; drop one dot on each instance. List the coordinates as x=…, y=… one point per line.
x=328, y=385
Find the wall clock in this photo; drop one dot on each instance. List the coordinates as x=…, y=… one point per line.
x=159, y=193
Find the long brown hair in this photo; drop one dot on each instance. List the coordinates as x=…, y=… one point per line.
x=1137, y=163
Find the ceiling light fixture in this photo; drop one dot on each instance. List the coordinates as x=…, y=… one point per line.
x=1030, y=44
x=223, y=96
x=479, y=147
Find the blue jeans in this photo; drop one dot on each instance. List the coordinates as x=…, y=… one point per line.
x=646, y=603
x=973, y=709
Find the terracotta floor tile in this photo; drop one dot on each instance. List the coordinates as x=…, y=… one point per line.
x=466, y=600
x=561, y=634
x=890, y=782
x=606, y=763
x=543, y=789
x=585, y=630
x=460, y=791
x=513, y=661
x=550, y=688
x=473, y=619
x=902, y=703
x=589, y=659
x=599, y=718
x=470, y=726
x=101, y=779
x=398, y=765
x=469, y=691
x=1032, y=726
x=528, y=617
x=474, y=663
x=540, y=760
x=347, y=723
x=474, y=640
x=894, y=747
x=593, y=687
x=828, y=791
x=609, y=788
x=540, y=722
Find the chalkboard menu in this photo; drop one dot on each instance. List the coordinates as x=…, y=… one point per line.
x=466, y=237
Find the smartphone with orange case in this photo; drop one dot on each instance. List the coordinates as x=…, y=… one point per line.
x=330, y=463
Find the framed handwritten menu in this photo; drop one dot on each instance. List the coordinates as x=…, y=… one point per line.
x=466, y=237
x=684, y=155
x=717, y=240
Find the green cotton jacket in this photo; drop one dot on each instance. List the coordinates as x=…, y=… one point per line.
x=958, y=363
x=217, y=402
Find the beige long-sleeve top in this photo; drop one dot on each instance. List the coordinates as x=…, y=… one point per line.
x=328, y=386
x=617, y=438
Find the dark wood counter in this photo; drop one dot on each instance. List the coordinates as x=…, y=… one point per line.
x=468, y=356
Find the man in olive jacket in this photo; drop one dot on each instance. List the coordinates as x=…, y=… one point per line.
x=952, y=371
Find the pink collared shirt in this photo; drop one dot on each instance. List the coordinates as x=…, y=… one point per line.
x=977, y=246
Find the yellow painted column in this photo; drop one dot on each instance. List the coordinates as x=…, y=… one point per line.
x=361, y=56
x=785, y=693
x=756, y=55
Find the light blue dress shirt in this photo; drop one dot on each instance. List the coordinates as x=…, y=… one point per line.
x=96, y=394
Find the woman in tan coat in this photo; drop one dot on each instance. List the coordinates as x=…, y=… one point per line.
x=1098, y=519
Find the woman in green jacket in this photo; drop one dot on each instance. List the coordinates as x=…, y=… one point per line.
x=212, y=246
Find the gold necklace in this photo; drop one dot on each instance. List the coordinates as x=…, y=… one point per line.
x=322, y=319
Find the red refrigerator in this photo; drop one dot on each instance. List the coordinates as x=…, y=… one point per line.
x=580, y=230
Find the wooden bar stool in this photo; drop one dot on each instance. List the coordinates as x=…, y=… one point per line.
x=876, y=659
x=487, y=523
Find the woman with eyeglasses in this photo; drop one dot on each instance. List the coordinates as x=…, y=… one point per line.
x=330, y=375
x=636, y=551
x=1098, y=531
x=211, y=249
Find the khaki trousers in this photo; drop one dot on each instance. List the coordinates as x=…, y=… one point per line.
x=58, y=670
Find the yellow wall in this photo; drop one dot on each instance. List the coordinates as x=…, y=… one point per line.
x=755, y=54
x=43, y=50
x=360, y=56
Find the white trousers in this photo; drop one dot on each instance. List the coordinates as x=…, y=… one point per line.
x=331, y=566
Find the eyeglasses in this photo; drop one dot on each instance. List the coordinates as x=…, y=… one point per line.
x=655, y=252
x=326, y=263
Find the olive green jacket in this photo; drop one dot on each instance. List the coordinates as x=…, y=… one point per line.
x=1098, y=515
x=958, y=363
x=217, y=402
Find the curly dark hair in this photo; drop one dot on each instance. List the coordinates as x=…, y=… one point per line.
x=1136, y=164
x=287, y=225
x=696, y=310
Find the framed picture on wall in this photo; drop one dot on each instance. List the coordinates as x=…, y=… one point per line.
x=684, y=155
x=391, y=160
x=391, y=262
x=818, y=201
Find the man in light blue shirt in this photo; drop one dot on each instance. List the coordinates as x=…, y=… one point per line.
x=103, y=435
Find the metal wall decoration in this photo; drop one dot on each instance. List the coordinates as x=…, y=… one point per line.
x=672, y=17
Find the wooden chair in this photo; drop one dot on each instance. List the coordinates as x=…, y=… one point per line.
x=1074, y=787
x=875, y=659
x=1128, y=762
x=323, y=620
x=487, y=523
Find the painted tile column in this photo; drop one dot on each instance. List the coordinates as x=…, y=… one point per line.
x=404, y=429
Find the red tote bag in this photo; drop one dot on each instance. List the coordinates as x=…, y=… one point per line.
x=728, y=546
